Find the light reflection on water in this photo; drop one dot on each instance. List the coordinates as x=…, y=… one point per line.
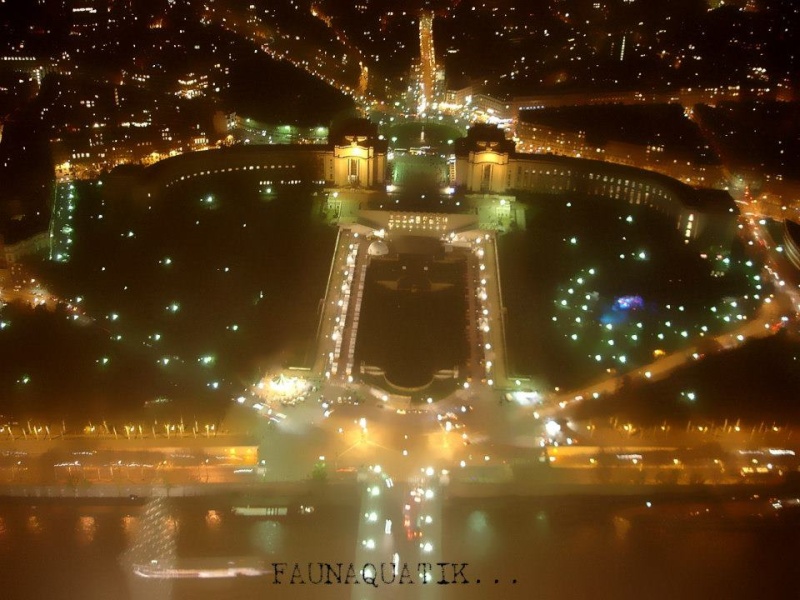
x=161, y=528
x=621, y=528
x=130, y=525
x=171, y=526
x=553, y=551
x=481, y=538
x=477, y=522
x=35, y=525
x=85, y=530
x=565, y=548
x=213, y=520
x=267, y=536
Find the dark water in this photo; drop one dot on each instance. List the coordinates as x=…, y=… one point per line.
x=413, y=318
x=572, y=548
x=557, y=548
x=82, y=551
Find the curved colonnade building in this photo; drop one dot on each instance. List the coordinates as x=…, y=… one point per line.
x=486, y=163
x=354, y=157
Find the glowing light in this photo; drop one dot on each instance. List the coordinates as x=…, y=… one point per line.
x=552, y=428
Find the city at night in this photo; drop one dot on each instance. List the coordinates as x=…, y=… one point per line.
x=409, y=299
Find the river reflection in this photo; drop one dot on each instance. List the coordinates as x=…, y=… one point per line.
x=85, y=529
x=578, y=549
x=533, y=548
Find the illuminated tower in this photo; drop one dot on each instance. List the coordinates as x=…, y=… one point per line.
x=427, y=59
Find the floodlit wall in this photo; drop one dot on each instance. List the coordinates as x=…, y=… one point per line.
x=485, y=171
x=358, y=166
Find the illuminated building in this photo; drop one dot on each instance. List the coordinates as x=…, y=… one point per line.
x=541, y=139
x=192, y=86
x=487, y=163
x=90, y=16
x=353, y=158
x=359, y=157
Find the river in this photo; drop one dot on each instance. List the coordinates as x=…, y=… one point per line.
x=534, y=548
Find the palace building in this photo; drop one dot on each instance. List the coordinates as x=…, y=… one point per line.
x=487, y=163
